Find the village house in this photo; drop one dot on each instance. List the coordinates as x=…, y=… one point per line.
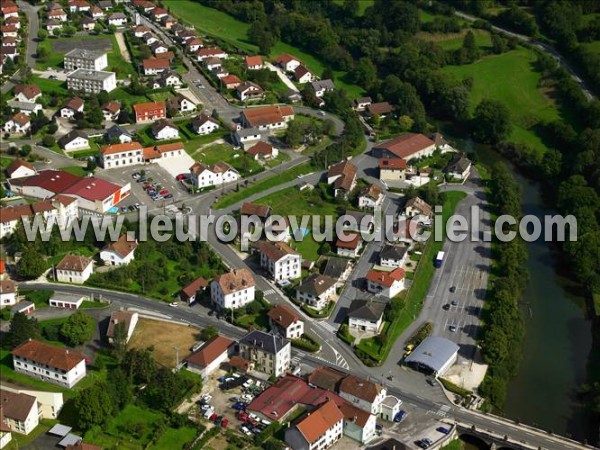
x=366, y=316
x=249, y=91
x=210, y=356
x=267, y=117
x=117, y=134
x=119, y=155
x=386, y=284
x=215, y=52
x=73, y=106
x=392, y=169
x=17, y=124
x=181, y=104
x=203, y=124
x=19, y=168
x=405, y=146
x=287, y=62
x=97, y=13
x=25, y=107
x=27, y=93
x=381, y=109
x=57, y=14
x=149, y=111
x=233, y=290
x=120, y=252
x=8, y=292
x=74, y=269
x=262, y=150
x=371, y=197
x=338, y=268
x=343, y=178
x=193, y=45
x=320, y=87
x=163, y=130
x=270, y=354
x=212, y=63
x=74, y=140
x=111, y=110
x=140, y=30
x=189, y=293
x=118, y=19
x=303, y=75
x=166, y=79
x=362, y=393
x=392, y=255
x=284, y=321
x=418, y=208
x=351, y=246
x=459, y=168
x=246, y=136
x=316, y=291
x=149, y=39
x=322, y=428
x=361, y=103
x=19, y=411
x=128, y=319
x=153, y=66
x=280, y=260
x=88, y=24
x=158, y=47
x=218, y=173
x=254, y=62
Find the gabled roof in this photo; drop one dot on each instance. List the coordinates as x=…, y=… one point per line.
x=372, y=191
x=285, y=58
x=210, y=351
x=211, y=51
x=266, y=115
x=420, y=204
x=283, y=316
x=122, y=246
x=366, y=309
x=326, y=378
x=112, y=106
x=335, y=267
x=355, y=415
x=71, y=136
x=323, y=84
x=16, y=406
x=194, y=286
x=459, y=164
x=406, y=145
x=93, y=189
x=380, y=108
x=21, y=118
x=74, y=263
x=316, y=284
x=56, y=181
x=155, y=63
x=253, y=209
x=248, y=86
x=266, y=342
x=392, y=164
x=201, y=119
x=8, y=286
x=351, y=244
x=274, y=251
x=313, y=426
x=140, y=108
x=255, y=60
x=346, y=172
x=16, y=164
x=301, y=70
x=360, y=388
x=390, y=251
x=386, y=279
x=74, y=103
x=236, y=280
x=120, y=148
x=260, y=148
x=118, y=317
x=230, y=79
x=116, y=131
x=49, y=355
x=161, y=124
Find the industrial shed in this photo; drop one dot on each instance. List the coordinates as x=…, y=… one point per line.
x=434, y=355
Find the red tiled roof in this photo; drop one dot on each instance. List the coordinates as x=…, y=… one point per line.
x=120, y=148
x=275, y=250
x=210, y=351
x=75, y=263
x=141, y=108
x=254, y=61
x=360, y=388
x=385, y=278
x=253, y=209
x=351, y=244
x=93, y=189
x=406, y=145
x=260, y=148
x=8, y=287
x=112, y=106
x=392, y=164
x=234, y=281
x=122, y=246
x=49, y=355
x=230, y=79
x=209, y=51
x=56, y=181
x=347, y=170
x=118, y=317
x=194, y=286
x=74, y=103
x=155, y=63
x=285, y=58
x=21, y=118
x=379, y=108
x=283, y=315
x=319, y=421
x=266, y=115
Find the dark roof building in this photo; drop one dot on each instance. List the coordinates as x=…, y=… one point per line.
x=370, y=310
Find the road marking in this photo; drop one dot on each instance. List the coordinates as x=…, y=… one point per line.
x=269, y=292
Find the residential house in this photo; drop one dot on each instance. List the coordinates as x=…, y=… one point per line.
x=361, y=103
x=366, y=315
x=393, y=255
x=362, y=393
x=316, y=291
x=105, y=4
x=406, y=146
x=140, y=30
x=215, y=52
x=117, y=134
x=74, y=140
x=79, y=6
x=80, y=58
x=91, y=81
x=27, y=93
x=203, y=124
x=58, y=15
x=233, y=290
x=267, y=117
x=120, y=155
x=287, y=62
x=149, y=39
x=153, y=66
x=249, y=91
x=231, y=81
x=127, y=319
x=9, y=31
x=52, y=24
x=280, y=260
x=359, y=424
x=158, y=13
x=254, y=62
x=46, y=362
x=25, y=107
x=149, y=111
x=13, y=21
x=262, y=150
x=189, y=293
x=167, y=79
x=271, y=354
x=158, y=47
x=165, y=151
x=212, y=63
x=20, y=411
x=390, y=407
x=338, y=268
x=97, y=13
x=303, y=75
x=168, y=22
x=8, y=291
x=459, y=168
x=218, y=173
x=386, y=284
x=262, y=212
x=181, y=104
x=246, y=136
x=416, y=207
x=392, y=169
x=193, y=45
x=380, y=109
x=10, y=10
x=210, y=356
x=163, y=130
x=343, y=178
x=19, y=168
x=87, y=24
x=74, y=269
x=320, y=87
x=8, y=51
x=350, y=246
x=284, y=321
x=119, y=253
x=111, y=110
x=72, y=107
x=17, y=124
x=118, y=19
x=320, y=429
x=371, y=197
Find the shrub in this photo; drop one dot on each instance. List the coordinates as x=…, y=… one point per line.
x=344, y=334
x=306, y=343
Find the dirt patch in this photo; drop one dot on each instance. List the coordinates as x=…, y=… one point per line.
x=66, y=45
x=164, y=336
x=123, y=47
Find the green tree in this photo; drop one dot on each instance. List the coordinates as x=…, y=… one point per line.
x=365, y=73
x=21, y=329
x=120, y=388
x=42, y=34
x=260, y=34
x=327, y=74
x=294, y=134
x=405, y=122
x=69, y=30
x=208, y=333
x=470, y=48
x=498, y=44
x=31, y=265
x=48, y=141
x=78, y=329
x=491, y=121
x=25, y=150
x=93, y=406
x=98, y=27
x=57, y=32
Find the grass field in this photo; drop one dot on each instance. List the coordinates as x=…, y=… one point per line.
x=510, y=78
x=50, y=86
x=456, y=444
x=164, y=336
x=75, y=170
x=362, y=5
x=123, y=96
x=453, y=41
x=158, y=96
x=593, y=46
x=240, y=161
x=173, y=438
x=228, y=29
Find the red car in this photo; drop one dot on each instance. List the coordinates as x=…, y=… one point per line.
x=213, y=417
x=164, y=192
x=180, y=177
x=224, y=423
x=242, y=415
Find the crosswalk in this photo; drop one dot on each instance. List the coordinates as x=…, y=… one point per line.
x=328, y=327
x=298, y=358
x=269, y=292
x=443, y=411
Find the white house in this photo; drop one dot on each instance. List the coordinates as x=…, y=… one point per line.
x=233, y=290
x=49, y=403
x=366, y=316
x=20, y=411
x=203, y=124
x=116, y=133
x=262, y=150
x=249, y=91
x=219, y=173
x=153, y=66
x=74, y=140
x=393, y=255
x=320, y=87
x=111, y=110
x=418, y=208
x=270, y=353
x=387, y=284
x=17, y=124
x=390, y=407
x=8, y=293
x=303, y=75
x=371, y=197
x=120, y=252
x=349, y=247
x=343, y=178
x=286, y=322
x=181, y=104
x=459, y=168
x=254, y=62
x=164, y=130
x=287, y=62
x=72, y=107
x=269, y=117
x=167, y=79
x=280, y=260
x=46, y=362
x=19, y=168
x=79, y=58
x=128, y=318
x=362, y=393
x=245, y=136
x=316, y=291
x=117, y=19
x=359, y=424
x=25, y=107
x=74, y=269
x=119, y=155
x=318, y=430
x=158, y=47
x=210, y=356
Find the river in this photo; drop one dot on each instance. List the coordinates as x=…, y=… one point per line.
x=558, y=338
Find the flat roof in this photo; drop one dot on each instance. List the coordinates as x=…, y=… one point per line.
x=70, y=439
x=434, y=352
x=85, y=54
x=59, y=430
x=93, y=75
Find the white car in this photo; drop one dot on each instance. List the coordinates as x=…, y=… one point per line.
x=174, y=304
x=246, y=431
x=322, y=113
x=207, y=397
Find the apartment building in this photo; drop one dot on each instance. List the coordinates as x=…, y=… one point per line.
x=120, y=155
x=91, y=81
x=80, y=58
x=280, y=260
x=284, y=321
x=233, y=290
x=270, y=354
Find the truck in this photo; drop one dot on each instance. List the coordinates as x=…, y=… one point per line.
x=439, y=259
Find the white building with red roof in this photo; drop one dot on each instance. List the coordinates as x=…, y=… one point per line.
x=267, y=117
x=120, y=155
x=322, y=428
x=74, y=269
x=96, y=194
x=280, y=260
x=286, y=322
x=119, y=253
x=233, y=290
x=406, y=146
x=19, y=168
x=210, y=356
x=49, y=363
x=386, y=284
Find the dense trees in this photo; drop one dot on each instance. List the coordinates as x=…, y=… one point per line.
x=21, y=329
x=78, y=329
x=491, y=121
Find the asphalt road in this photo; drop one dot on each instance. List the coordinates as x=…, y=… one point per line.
x=34, y=26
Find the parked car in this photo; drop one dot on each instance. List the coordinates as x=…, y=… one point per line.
x=218, y=420
x=175, y=305
x=224, y=423
x=443, y=430
x=136, y=175
x=132, y=208
x=452, y=328
x=245, y=430
x=453, y=289
x=168, y=196
x=239, y=406
x=446, y=307
x=213, y=417
x=400, y=416
x=123, y=208
x=454, y=303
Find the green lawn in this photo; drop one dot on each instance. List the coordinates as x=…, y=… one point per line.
x=510, y=78
x=362, y=5
x=123, y=96
x=413, y=299
x=454, y=41
x=5, y=162
x=263, y=185
x=158, y=96
x=456, y=444
x=239, y=160
x=233, y=31
x=593, y=46
x=130, y=417
x=175, y=439
x=75, y=170
x=50, y=86
x=425, y=16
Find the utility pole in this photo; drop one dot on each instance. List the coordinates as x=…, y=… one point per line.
x=177, y=356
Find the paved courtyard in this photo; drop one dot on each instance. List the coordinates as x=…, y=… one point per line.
x=66, y=45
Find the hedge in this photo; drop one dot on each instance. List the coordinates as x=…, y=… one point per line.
x=420, y=335
x=306, y=343
x=344, y=334
x=318, y=315
x=454, y=388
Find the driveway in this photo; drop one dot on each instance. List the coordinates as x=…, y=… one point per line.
x=282, y=76
x=178, y=164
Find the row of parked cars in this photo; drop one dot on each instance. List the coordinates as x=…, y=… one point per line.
x=209, y=412
x=426, y=442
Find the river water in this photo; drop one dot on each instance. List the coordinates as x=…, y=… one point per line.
x=558, y=338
